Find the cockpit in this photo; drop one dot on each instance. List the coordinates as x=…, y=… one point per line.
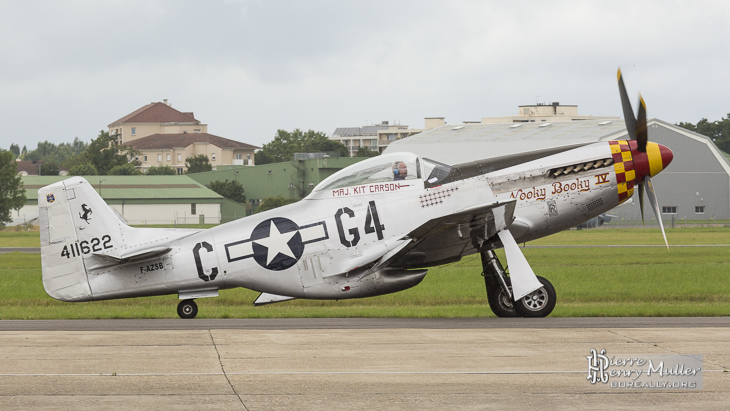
x=388, y=168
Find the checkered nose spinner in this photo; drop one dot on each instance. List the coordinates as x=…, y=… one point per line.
x=633, y=166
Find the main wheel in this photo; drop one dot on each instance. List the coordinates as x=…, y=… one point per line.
x=187, y=309
x=501, y=303
x=539, y=303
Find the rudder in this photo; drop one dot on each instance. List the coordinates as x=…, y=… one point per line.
x=75, y=222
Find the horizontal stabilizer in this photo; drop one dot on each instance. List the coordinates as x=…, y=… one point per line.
x=136, y=255
x=266, y=298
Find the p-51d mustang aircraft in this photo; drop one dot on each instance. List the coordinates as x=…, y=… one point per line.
x=369, y=229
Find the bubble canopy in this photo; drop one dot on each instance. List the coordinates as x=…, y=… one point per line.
x=383, y=168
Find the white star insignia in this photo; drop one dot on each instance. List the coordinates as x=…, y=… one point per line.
x=277, y=243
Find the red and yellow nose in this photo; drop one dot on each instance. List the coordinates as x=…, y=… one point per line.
x=632, y=165
x=656, y=159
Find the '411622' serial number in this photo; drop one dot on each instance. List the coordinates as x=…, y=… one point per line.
x=86, y=247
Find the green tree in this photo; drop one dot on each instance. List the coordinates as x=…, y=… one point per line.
x=285, y=144
x=198, y=164
x=57, y=154
x=104, y=153
x=232, y=190
x=126, y=169
x=48, y=168
x=12, y=193
x=15, y=150
x=83, y=169
x=363, y=151
x=262, y=157
x=717, y=131
x=161, y=171
x=78, y=146
x=270, y=203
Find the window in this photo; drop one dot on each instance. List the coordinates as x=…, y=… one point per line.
x=193, y=208
x=699, y=209
x=145, y=158
x=384, y=168
x=212, y=156
x=134, y=131
x=179, y=157
x=168, y=156
x=159, y=158
x=239, y=156
x=669, y=210
x=248, y=156
x=436, y=172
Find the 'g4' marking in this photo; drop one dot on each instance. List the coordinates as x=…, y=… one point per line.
x=372, y=225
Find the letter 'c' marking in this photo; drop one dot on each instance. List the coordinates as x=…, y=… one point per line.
x=199, y=264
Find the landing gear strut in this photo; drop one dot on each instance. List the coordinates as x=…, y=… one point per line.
x=187, y=309
x=499, y=286
x=539, y=303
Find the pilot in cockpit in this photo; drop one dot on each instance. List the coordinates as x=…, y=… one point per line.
x=400, y=170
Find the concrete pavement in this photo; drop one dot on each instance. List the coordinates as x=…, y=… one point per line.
x=377, y=368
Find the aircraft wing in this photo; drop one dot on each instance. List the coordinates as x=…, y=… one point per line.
x=448, y=238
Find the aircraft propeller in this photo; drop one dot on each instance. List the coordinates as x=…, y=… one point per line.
x=647, y=163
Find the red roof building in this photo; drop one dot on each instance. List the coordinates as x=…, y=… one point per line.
x=167, y=137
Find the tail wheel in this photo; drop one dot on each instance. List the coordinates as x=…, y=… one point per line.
x=539, y=303
x=187, y=309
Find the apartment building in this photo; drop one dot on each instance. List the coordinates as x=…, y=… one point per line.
x=166, y=136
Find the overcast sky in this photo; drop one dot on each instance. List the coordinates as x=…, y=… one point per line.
x=248, y=68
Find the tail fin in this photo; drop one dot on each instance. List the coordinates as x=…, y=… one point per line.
x=75, y=222
x=81, y=233
x=70, y=212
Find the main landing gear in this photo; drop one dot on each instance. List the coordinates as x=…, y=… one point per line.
x=539, y=303
x=187, y=309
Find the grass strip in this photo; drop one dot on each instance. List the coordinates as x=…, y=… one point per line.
x=616, y=282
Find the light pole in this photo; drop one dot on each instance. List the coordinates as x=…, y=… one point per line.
x=100, y=181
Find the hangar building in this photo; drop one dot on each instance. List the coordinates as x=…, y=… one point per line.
x=184, y=199
x=293, y=180
x=144, y=200
x=696, y=186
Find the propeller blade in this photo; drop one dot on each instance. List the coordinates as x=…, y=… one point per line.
x=642, y=135
x=641, y=201
x=628, y=111
x=655, y=206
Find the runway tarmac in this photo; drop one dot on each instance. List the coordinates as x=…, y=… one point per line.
x=368, y=364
